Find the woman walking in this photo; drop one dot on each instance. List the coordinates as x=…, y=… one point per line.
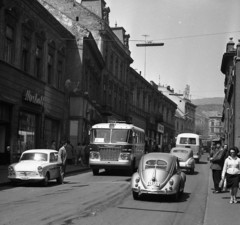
x=231, y=171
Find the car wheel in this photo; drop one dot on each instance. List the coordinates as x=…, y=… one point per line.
x=177, y=195
x=13, y=183
x=46, y=180
x=60, y=179
x=135, y=195
x=192, y=170
x=95, y=171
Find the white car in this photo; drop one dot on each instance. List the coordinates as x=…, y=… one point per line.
x=36, y=165
x=185, y=157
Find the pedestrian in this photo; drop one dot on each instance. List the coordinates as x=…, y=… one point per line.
x=86, y=152
x=53, y=145
x=70, y=152
x=62, y=156
x=231, y=171
x=217, y=161
x=226, y=154
x=78, y=154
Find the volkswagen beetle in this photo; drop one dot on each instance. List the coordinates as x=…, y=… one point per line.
x=185, y=157
x=160, y=174
x=36, y=165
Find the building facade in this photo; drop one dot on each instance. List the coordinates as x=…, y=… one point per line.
x=119, y=93
x=230, y=67
x=152, y=111
x=33, y=109
x=185, y=113
x=215, y=127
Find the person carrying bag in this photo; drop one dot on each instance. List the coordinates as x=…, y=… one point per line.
x=231, y=171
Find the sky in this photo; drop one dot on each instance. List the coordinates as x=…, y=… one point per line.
x=194, y=33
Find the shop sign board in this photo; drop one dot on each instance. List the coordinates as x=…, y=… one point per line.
x=33, y=97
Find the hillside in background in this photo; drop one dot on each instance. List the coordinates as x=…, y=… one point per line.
x=209, y=106
x=208, y=101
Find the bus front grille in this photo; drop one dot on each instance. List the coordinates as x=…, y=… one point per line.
x=109, y=154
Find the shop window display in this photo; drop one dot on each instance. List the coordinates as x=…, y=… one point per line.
x=26, y=131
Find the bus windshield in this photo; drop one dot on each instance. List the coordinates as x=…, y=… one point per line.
x=111, y=135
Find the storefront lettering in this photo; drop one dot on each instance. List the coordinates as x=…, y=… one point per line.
x=34, y=98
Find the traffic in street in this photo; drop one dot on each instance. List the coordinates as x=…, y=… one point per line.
x=103, y=199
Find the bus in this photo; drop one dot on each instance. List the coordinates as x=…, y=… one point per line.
x=193, y=141
x=115, y=145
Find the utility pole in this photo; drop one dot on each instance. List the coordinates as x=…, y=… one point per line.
x=147, y=44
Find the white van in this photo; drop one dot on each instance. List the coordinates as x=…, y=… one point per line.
x=193, y=141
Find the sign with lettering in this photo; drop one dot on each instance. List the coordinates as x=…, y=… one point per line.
x=33, y=97
x=160, y=128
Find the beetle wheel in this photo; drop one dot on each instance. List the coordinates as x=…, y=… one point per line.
x=177, y=195
x=135, y=195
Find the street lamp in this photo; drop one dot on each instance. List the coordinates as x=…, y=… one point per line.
x=147, y=44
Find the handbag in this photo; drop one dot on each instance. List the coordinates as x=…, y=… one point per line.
x=221, y=183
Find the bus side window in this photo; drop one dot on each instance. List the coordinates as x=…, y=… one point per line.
x=130, y=138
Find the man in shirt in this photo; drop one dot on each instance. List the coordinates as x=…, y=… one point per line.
x=217, y=160
x=62, y=156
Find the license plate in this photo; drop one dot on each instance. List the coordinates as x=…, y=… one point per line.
x=24, y=178
x=153, y=183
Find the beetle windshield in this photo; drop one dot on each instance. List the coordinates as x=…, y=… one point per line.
x=111, y=135
x=154, y=163
x=34, y=156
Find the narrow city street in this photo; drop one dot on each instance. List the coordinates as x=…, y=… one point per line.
x=105, y=199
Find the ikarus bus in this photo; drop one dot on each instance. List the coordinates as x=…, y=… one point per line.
x=115, y=146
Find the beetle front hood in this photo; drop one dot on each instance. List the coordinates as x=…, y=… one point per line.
x=27, y=165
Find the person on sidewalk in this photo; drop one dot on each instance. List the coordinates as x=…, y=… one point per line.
x=62, y=156
x=231, y=171
x=217, y=161
x=226, y=150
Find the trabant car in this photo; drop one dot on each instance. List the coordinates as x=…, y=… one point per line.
x=160, y=174
x=36, y=165
x=185, y=157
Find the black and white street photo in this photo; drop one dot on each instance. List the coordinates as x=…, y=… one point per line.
x=119, y=112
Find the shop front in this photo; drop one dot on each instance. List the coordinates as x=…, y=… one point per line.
x=5, y=125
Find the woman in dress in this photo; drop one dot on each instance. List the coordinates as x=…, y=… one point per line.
x=231, y=171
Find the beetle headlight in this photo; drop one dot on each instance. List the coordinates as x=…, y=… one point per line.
x=137, y=179
x=171, y=182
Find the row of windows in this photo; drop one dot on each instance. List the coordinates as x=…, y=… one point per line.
x=31, y=44
x=115, y=65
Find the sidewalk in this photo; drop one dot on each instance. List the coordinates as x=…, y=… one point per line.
x=70, y=169
x=218, y=209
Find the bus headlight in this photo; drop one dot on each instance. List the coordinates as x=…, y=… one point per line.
x=125, y=156
x=94, y=155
